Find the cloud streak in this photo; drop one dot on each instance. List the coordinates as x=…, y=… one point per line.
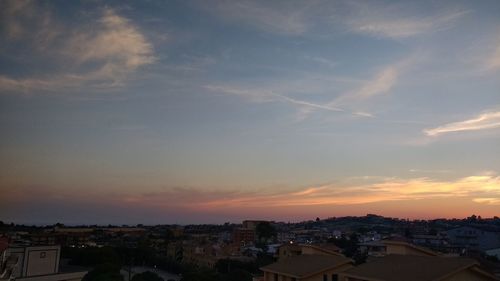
x=493, y=61
x=382, y=82
x=477, y=193
x=291, y=18
x=389, y=23
x=118, y=43
x=99, y=55
x=483, y=121
x=390, y=189
x=309, y=104
x=480, y=188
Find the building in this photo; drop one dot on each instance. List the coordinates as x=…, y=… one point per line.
x=404, y=248
x=242, y=236
x=387, y=247
x=434, y=241
x=288, y=250
x=473, y=238
x=493, y=252
x=36, y=263
x=307, y=268
x=417, y=268
x=207, y=255
x=252, y=224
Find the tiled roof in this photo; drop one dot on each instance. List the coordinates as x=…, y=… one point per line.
x=409, y=268
x=305, y=265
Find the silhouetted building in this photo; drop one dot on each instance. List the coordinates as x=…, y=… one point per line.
x=417, y=268
x=243, y=235
x=36, y=263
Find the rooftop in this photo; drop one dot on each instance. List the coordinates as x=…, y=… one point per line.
x=305, y=265
x=410, y=268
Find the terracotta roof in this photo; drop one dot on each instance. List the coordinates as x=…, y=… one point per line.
x=305, y=265
x=409, y=268
x=414, y=247
x=327, y=247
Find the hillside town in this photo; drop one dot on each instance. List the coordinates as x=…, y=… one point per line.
x=364, y=248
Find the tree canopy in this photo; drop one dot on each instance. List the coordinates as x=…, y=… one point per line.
x=147, y=276
x=265, y=231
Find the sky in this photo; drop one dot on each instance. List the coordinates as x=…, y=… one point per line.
x=215, y=111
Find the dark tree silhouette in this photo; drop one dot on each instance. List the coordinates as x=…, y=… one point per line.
x=104, y=272
x=265, y=231
x=147, y=276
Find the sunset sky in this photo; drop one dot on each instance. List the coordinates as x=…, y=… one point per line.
x=215, y=111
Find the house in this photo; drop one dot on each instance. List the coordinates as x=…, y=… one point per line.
x=493, y=252
x=417, y=268
x=37, y=263
x=287, y=250
x=473, y=238
x=429, y=240
x=307, y=268
x=404, y=248
x=373, y=248
x=207, y=255
x=387, y=247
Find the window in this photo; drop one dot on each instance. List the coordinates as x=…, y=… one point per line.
x=335, y=277
x=325, y=277
x=275, y=277
x=43, y=255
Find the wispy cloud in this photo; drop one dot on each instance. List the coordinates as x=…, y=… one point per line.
x=117, y=44
x=287, y=18
x=493, y=60
x=381, y=83
x=309, y=104
x=482, y=189
x=397, y=21
x=302, y=18
x=101, y=54
x=430, y=171
x=321, y=60
x=474, y=187
x=483, y=121
x=252, y=94
x=488, y=200
x=262, y=95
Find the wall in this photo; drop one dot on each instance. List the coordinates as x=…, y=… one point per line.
x=329, y=273
x=75, y=276
x=403, y=250
x=313, y=251
x=36, y=260
x=41, y=261
x=268, y=276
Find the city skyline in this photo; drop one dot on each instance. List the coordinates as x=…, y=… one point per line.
x=195, y=111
